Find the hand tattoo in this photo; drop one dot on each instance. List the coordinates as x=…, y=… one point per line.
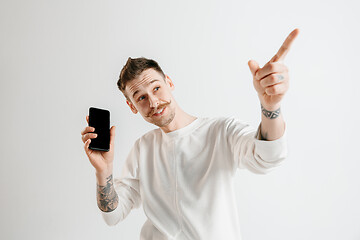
x=107, y=198
x=280, y=77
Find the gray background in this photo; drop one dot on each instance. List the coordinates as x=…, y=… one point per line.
x=58, y=58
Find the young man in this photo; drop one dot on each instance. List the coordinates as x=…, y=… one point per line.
x=182, y=172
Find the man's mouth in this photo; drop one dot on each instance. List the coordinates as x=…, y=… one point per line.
x=160, y=112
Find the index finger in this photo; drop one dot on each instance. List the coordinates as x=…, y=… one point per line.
x=87, y=130
x=284, y=49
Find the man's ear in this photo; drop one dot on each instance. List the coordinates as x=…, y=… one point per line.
x=132, y=107
x=169, y=82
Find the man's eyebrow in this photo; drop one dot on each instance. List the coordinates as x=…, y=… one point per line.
x=137, y=91
x=153, y=81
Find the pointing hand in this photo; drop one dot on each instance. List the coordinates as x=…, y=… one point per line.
x=272, y=80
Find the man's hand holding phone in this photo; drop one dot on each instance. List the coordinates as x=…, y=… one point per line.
x=102, y=161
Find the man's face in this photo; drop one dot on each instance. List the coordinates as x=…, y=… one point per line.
x=149, y=94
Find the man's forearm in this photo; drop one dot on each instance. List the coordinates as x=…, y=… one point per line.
x=272, y=123
x=107, y=198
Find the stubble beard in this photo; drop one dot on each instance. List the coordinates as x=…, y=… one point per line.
x=164, y=121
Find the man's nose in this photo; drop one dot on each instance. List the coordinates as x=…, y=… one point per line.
x=154, y=101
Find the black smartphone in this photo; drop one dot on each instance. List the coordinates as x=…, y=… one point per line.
x=100, y=120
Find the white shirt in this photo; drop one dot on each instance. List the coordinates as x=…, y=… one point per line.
x=184, y=178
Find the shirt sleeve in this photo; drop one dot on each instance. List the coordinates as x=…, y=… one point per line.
x=258, y=156
x=127, y=188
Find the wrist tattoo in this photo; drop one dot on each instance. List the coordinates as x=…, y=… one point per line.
x=107, y=198
x=270, y=114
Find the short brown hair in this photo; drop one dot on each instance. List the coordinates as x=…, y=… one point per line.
x=133, y=68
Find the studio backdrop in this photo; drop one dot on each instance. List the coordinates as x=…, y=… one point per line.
x=58, y=58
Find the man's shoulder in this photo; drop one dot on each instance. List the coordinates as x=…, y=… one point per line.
x=224, y=122
x=214, y=122
x=221, y=120
x=147, y=137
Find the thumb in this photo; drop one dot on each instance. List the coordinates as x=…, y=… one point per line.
x=112, y=135
x=254, y=66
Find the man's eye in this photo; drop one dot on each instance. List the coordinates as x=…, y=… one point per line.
x=141, y=98
x=156, y=88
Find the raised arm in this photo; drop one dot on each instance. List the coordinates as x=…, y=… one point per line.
x=271, y=83
x=107, y=198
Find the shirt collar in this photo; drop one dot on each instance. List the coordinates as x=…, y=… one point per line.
x=182, y=131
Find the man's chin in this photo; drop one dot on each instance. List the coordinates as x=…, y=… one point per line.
x=162, y=122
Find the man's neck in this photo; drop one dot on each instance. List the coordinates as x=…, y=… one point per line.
x=181, y=119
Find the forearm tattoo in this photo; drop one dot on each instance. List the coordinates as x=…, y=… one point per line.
x=107, y=198
x=270, y=114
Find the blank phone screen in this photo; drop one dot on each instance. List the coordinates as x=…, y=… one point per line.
x=100, y=120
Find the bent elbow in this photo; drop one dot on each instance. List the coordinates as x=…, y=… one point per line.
x=112, y=218
x=268, y=165
x=261, y=165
